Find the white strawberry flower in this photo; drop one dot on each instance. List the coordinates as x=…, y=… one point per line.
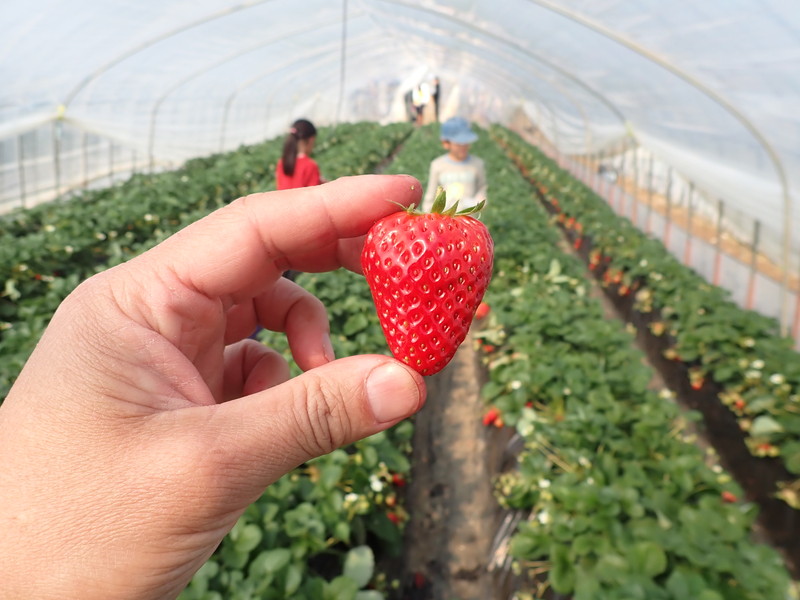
x=777, y=379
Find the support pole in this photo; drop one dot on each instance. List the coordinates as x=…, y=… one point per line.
x=751, y=284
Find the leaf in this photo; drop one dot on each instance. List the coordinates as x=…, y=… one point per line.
x=710, y=595
x=248, y=538
x=271, y=561
x=369, y=595
x=294, y=577
x=354, y=324
x=765, y=426
x=341, y=588
x=649, y=559
x=359, y=565
x=562, y=575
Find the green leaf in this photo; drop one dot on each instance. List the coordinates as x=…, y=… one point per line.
x=765, y=426
x=354, y=324
x=341, y=588
x=294, y=577
x=248, y=538
x=562, y=575
x=359, y=565
x=271, y=561
x=369, y=595
x=341, y=531
x=649, y=559
x=710, y=595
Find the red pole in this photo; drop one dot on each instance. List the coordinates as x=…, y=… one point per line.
x=751, y=284
x=687, y=250
x=718, y=257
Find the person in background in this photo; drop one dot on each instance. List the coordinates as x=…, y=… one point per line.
x=436, y=89
x=144, y=423
x=421, y=97
x=296, y=168
x=462, y=175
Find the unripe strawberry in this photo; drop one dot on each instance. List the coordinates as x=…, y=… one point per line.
x=428, y=273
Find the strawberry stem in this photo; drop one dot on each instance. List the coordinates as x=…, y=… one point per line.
x=440, y=202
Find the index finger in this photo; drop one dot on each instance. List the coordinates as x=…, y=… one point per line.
x=240, y=249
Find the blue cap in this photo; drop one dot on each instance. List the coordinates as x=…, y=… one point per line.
x=457, y=130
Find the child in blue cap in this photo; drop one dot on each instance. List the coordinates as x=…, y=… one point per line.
x=461, y=174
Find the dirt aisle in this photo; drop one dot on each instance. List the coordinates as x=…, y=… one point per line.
x=454, y=514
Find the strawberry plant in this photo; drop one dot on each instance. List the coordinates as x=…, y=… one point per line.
x=739, y=352
x=619, y=504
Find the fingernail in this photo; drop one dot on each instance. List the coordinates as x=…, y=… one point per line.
x=392, y=393
x=327, y=348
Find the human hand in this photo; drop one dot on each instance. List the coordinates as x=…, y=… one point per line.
x=145, y=421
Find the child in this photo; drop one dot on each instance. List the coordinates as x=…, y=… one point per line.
x=296, y=168
x=462, y=175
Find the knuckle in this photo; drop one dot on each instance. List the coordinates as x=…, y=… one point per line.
x=322, y=420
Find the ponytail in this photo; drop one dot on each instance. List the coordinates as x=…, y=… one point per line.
x=301, y=129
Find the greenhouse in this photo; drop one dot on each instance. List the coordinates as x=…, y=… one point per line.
x=622, y=419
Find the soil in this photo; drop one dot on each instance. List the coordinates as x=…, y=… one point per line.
x=454, y=515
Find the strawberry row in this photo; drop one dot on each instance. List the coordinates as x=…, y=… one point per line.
x=48, y=250
x=728, y=356
x=620, y=503
x=75, y=236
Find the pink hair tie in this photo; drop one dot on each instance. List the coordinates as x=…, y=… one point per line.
x=293, y=131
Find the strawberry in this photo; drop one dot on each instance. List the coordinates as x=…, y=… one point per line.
x=491, y=416
x=427, y=273
x=483, y=311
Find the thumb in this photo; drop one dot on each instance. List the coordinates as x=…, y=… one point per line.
x=265, y=435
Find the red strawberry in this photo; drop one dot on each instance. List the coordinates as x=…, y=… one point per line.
x=483, y=311
x=428, y=273
x=491, y=416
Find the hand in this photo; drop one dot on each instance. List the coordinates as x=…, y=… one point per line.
x=145, y=422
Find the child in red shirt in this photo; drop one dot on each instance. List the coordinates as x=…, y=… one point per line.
x=296, y=168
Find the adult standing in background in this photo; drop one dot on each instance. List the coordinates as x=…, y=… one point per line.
x=435, y=96
x=421, y=98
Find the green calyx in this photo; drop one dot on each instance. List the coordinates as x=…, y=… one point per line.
x=439, y=203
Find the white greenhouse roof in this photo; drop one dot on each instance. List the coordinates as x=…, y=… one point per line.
x=711, y=88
